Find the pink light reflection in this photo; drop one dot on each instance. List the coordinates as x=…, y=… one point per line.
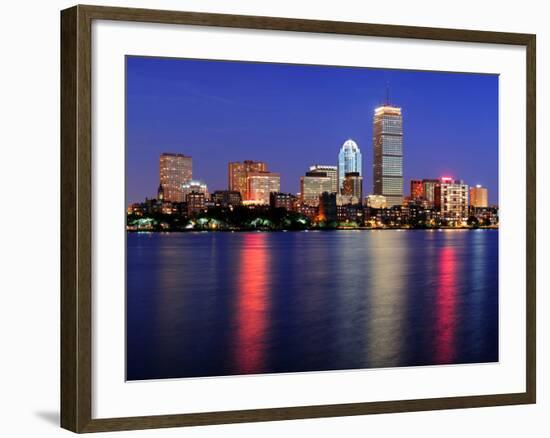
x=252, y=304
x=446, y=306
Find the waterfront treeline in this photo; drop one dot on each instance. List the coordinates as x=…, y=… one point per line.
x=278, y=219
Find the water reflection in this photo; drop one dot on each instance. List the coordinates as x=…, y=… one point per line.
x=170, y=304
x=252, y=303
x=387, y=295
x=445, y=305
x=210, y=304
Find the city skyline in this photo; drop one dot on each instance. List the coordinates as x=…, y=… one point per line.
x=254, y=183
x=210, y=158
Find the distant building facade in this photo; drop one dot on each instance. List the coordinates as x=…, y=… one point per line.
x=388, y=154
x=327, y=207
x=351, y=213
x=347, y=199
x=428, y=187
x=349, y=160
x=353, y=185
x=196, y=203
x=309, y=211
x=312, y=185
x=238, y=175
x=174, y=170
x=331, y=172
x=479, y=197
x=260, y=185
x=282, y=200
x=451, y=199
x=417, y=191
x=376, y=201
x=194, y=186
x=226, y=198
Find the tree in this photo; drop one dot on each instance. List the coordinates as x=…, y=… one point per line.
x=473, y=222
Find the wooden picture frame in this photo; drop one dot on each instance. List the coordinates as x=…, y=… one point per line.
x=76, y=220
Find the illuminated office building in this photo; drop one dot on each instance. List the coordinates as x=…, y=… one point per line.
x=428, y=187
x=479, y=197
x=349, y=160
x=260, y=185
x=313, y=185
x=175, y=170
x=238, y=175
x=388, y=154
x=332, y=173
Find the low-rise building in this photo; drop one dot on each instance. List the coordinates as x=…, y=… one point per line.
x=226, y=198
x=196, y=203
x=283, y=200
x=376, y=201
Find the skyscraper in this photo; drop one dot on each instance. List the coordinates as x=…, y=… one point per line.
x=332, y=173
x=388, y=154
x=478, y=197
x=349, y=160
x=261, y=185
x=238, y=175
x=175, y=170
x=313, y=185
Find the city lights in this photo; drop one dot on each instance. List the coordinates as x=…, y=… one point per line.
x=330, y=195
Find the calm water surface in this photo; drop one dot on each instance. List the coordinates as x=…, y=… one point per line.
x=211, y=304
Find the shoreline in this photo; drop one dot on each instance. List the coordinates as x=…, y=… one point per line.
x=242, y=230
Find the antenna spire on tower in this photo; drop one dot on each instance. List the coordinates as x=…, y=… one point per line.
x=387, y=93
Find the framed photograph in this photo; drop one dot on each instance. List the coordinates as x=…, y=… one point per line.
x=270, y=218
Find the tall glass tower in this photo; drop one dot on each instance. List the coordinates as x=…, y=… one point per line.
x=388, y=154
x=349, y=160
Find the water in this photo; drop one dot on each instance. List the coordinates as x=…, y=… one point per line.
x=212, y=304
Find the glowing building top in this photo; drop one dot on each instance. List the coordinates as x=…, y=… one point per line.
x=349, y=160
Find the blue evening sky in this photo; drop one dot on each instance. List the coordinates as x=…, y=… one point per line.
x=294, y=116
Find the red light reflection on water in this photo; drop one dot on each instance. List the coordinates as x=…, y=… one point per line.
x=252, y=303
x=446, y=304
